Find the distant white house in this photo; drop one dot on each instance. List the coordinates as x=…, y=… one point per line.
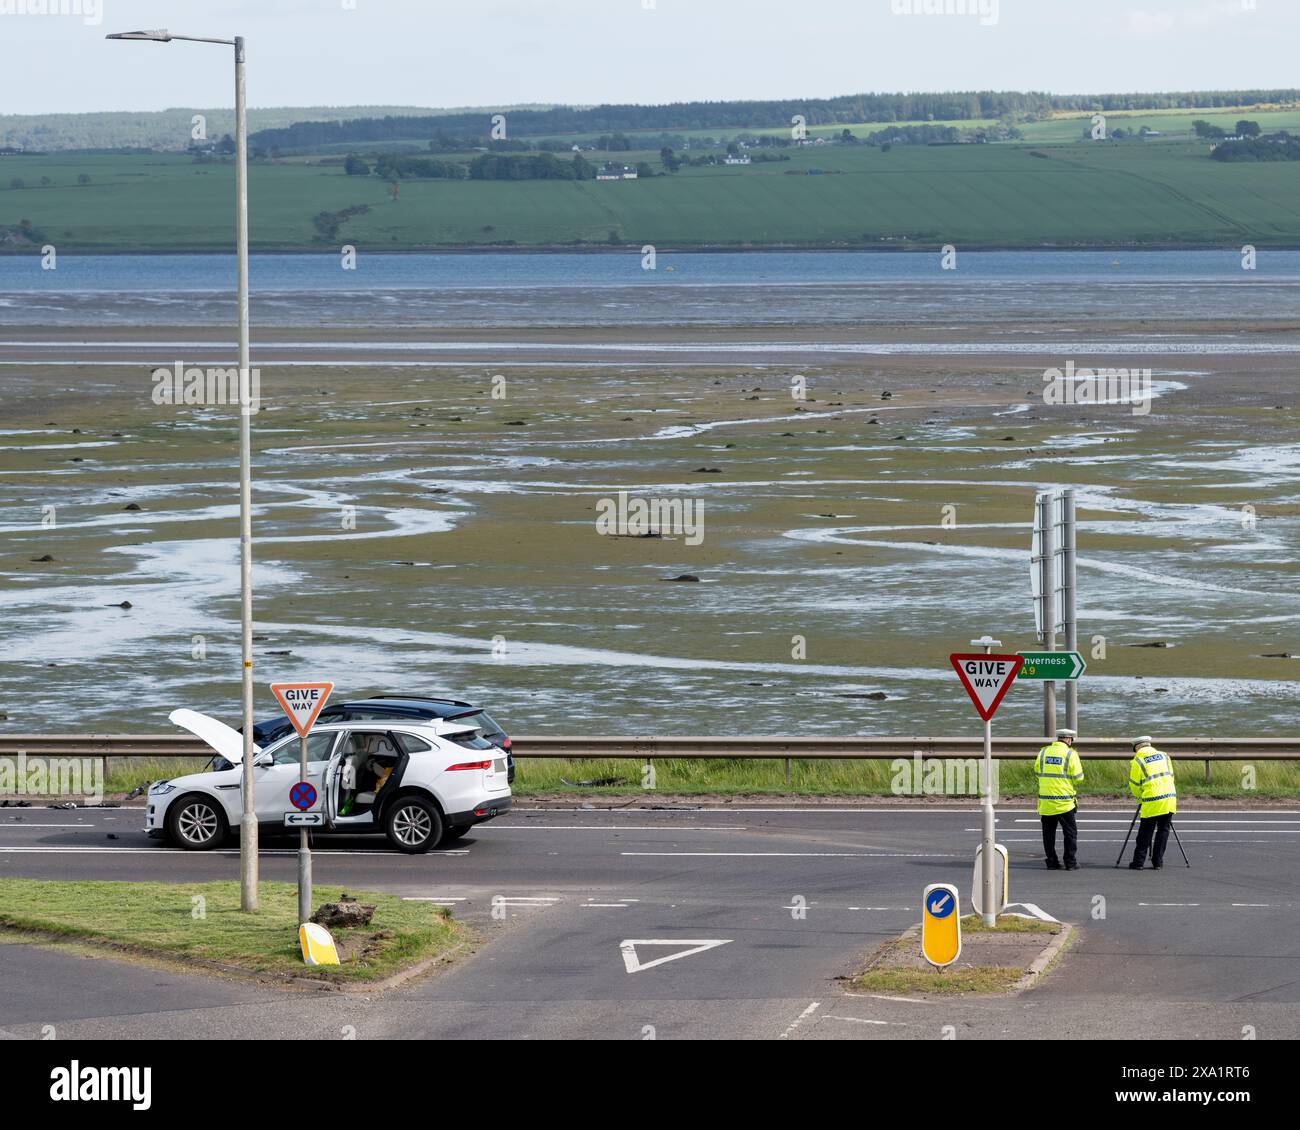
x=739, y=159
x=616, y=172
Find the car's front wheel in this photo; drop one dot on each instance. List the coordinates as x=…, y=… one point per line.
x=413, y=824
x=196, y=823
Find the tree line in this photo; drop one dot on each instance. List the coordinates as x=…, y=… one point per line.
x=472, y=128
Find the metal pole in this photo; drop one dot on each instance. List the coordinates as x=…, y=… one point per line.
x=988, y=882
x=1047, y=578
x=1069, y=594
x=248, y=822
x=304, y=849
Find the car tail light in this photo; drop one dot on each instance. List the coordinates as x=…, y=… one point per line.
x=470, y=765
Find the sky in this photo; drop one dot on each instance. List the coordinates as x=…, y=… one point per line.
x=439, y=53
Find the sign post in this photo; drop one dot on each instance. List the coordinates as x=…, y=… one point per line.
x=302, y=702
x=987, y=678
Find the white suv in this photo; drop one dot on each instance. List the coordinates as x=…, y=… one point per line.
x=419, y=781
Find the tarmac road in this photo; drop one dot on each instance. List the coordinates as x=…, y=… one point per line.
x=1209, y=951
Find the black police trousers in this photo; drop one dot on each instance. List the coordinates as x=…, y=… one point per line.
x=1157, y=826
x=1069, y=832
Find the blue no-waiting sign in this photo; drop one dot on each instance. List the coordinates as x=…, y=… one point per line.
x=303, y=795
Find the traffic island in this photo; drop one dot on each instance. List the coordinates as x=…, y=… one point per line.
x=200, y=925
x=1005, y=958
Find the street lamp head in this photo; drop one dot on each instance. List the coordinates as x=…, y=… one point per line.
x=986, y=641
x=159, y=35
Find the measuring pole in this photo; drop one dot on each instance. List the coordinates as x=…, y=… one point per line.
x=988, y=879
x=1069, y=597
x=304, y=844
x=1047, y=579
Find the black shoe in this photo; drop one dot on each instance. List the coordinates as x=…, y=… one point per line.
x=1072, y=867
x=1157, y=867
x=1052, y=865
x=1135, y=866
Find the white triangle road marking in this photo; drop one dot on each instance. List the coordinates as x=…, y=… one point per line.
x=1034, y=912
x=697, y=945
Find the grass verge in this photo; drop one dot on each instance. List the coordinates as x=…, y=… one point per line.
x=202, y=923
x=689, y=776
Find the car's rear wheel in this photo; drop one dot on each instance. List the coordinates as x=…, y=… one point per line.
x=413, y=824
x=196, y=823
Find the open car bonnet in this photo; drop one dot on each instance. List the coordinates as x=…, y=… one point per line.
x=227, y=742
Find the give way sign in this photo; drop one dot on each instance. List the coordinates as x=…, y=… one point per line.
x=302, y=702
x=987, y=678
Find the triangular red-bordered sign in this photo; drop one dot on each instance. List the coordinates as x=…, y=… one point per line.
x=302, y=702
x=987, y=678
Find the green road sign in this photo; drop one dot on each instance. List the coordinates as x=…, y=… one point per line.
x=1052, y=665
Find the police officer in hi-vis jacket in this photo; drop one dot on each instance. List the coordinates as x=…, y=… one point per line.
x=1057, y=768
x=1151, y=781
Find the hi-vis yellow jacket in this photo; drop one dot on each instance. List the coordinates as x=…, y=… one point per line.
x=1151, y=780
x=1057, y=767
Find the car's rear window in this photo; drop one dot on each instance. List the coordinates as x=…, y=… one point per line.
x=408, y=743
x=486, y=723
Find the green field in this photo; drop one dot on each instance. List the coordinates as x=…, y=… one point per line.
x=1163, y=193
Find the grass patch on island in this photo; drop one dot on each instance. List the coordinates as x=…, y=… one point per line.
x=202, y=922
x=984, y=967
x=978, y=979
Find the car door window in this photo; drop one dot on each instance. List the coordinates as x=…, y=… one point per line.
x=319, y=745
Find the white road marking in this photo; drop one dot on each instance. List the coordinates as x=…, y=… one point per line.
x=1183, y=820
x=605, y=905
x=524, y=898
x=675, y=829
x=807, y=1012
x=860, y=1020
x=634, y=964
x=1190, y=840
x=1169, y=904
x=1261, y=904
x=901, y=1000
x=5, y=850
x=1035, y=911
x=796, y=854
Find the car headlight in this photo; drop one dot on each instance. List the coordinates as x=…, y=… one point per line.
x=161, y=788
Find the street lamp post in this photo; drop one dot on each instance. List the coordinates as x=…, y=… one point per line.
x=248, y=823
